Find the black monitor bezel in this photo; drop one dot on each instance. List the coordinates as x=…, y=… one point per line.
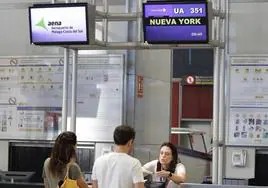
x=57, y=5
x=177, y=41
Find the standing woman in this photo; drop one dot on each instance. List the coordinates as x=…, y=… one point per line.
x=168, y=167
x=63, y=157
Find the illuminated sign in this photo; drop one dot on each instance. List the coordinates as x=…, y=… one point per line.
x=59, y=23
x=198, y=80
x=190, y=80
x=176, y=22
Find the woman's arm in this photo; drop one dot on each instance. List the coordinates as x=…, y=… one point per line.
x=149, y=167
x=177, y=178
x=76, y=174
x=81, y=183
x=94, y=184
x=180, y=174
x=45, y=183
x=44, y=176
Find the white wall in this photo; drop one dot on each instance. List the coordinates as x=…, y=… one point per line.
x=15, y=35
x=152, y=112
x=4, y=155
x=249, y=16
x=246, y=172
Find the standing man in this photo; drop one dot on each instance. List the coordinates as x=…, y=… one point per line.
x=118, y=169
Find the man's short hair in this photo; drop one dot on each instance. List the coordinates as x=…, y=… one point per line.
x=123, y=134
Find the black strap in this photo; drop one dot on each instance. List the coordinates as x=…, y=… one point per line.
x=60, y=183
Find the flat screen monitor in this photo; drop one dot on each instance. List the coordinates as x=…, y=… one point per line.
x=59, y=24
x=184, y=22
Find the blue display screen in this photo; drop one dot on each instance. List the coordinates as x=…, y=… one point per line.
x=175, y=22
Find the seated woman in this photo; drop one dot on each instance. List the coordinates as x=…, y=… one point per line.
x=62, y=163
x=168, y=167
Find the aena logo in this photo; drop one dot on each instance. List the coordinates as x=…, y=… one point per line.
x=42, y=24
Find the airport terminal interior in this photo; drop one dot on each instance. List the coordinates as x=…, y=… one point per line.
x=166, y=68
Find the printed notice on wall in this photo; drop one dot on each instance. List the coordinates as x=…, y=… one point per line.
x=248, y=109
x=31, y=91
x=248, y=82
x=248, y=126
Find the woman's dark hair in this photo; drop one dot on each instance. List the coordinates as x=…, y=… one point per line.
x=175, y=159
x=62, y=152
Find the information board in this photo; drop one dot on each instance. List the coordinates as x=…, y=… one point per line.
x=248, y=126
x=248, y=100
x=176, y=22
x=248, y=81
x=31, y=97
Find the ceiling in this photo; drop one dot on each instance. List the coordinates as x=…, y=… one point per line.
x=9, y=4
x=112, y=2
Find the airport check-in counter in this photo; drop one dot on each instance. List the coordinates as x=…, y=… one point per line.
x=21, y=185
x=15, y=176
x=23, y=172
x=15, y=179
x=24, y=185
x=193, y=185
x=184, y=185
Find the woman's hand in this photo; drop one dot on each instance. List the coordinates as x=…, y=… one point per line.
x=163, y=173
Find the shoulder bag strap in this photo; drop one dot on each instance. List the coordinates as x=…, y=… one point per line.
x=68, y=166
x=67, y=171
